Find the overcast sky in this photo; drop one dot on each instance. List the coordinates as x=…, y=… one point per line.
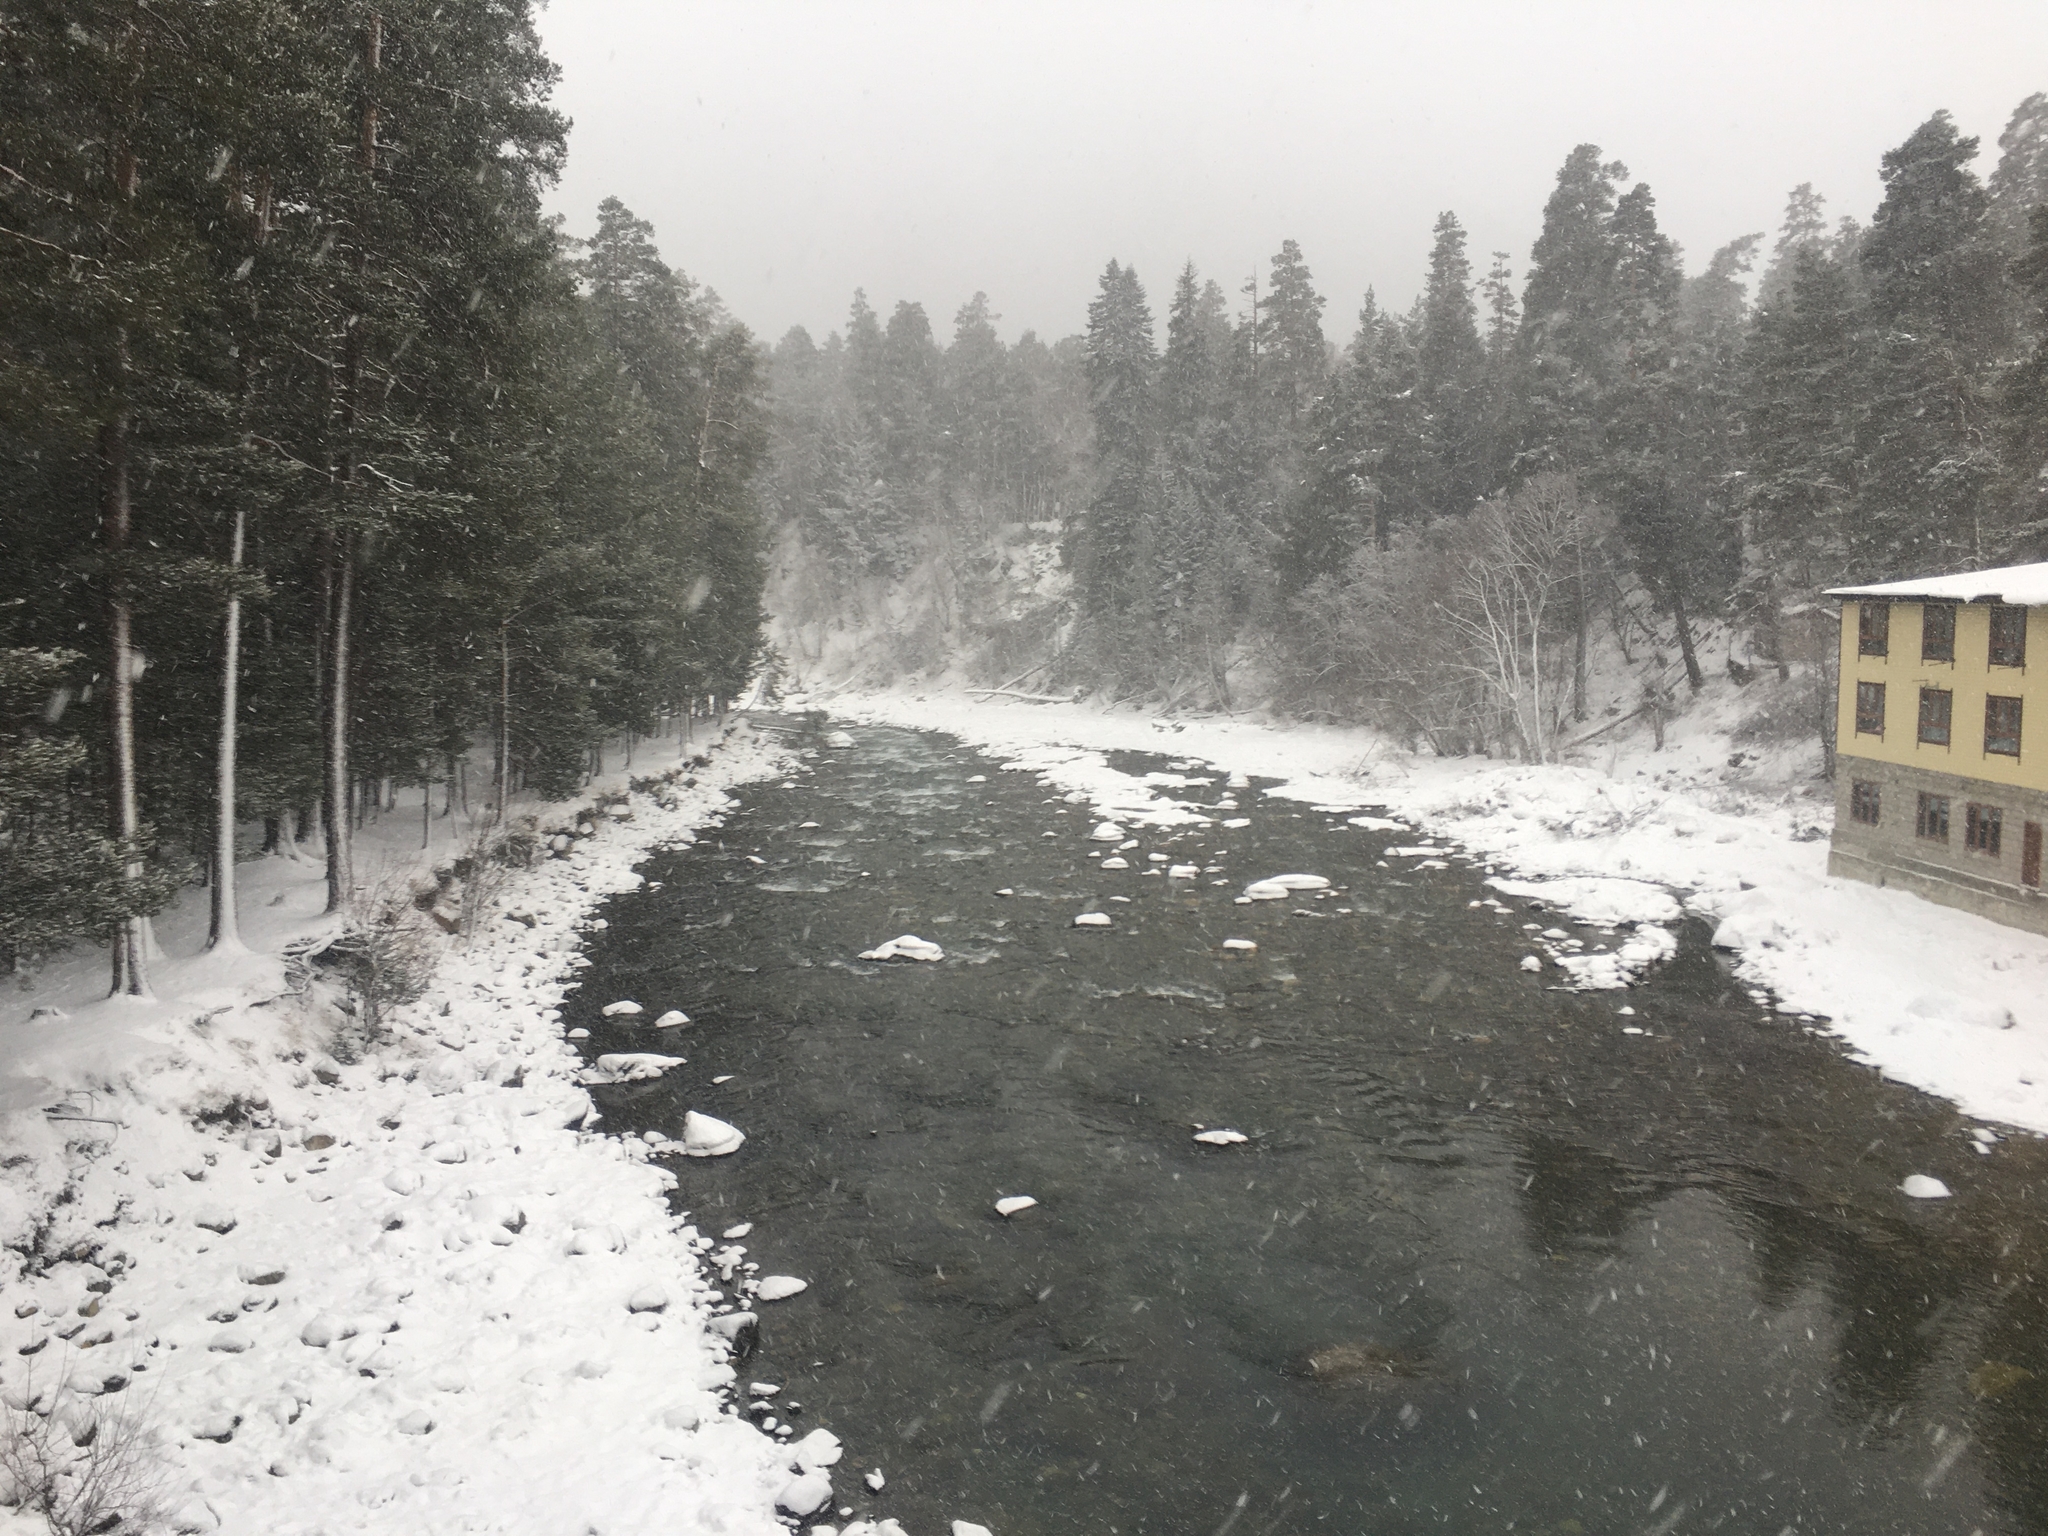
x=788, y=153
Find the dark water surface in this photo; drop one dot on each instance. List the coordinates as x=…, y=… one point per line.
x=1487, y=1263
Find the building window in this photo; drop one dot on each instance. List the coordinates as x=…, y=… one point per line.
x=1936, y=706
x=1870, y=709
x=2002, y=726
x=1873, y=629
x=1863, y=803
x=1931, y=820
x=2008, y=635
x=1981, y=826
x=1938, y=632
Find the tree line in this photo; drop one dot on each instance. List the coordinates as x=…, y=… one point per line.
x=323, y=455
x=1629, y=440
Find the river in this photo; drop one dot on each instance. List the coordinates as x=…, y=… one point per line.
x=1493, y=1256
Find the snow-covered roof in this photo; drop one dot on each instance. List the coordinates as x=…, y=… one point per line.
x=2026, y=584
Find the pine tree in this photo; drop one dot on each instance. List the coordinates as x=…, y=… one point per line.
x=1649, y=470
x=1450, y=377
x=2023, y=404
x=1936, y=309
x=1293, y=354
x=1802, y=405
x=2019, y=183
x=1103, y=545
x=1565, y=343
x=1804, y=228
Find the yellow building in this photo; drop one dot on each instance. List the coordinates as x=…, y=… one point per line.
x=1941, y=737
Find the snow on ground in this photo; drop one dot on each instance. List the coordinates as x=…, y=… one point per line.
x=391, y=1283
x=1953, y=1004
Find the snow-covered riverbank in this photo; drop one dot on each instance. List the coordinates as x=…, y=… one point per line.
x=390, y=1288
x=1945, y=1001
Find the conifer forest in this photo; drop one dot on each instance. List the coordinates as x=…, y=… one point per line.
x=324, y=458
x=328, y=461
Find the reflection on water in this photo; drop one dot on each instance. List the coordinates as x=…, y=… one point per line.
x=1483, y=1263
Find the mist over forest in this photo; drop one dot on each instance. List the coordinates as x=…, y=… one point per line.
x=1428, y=519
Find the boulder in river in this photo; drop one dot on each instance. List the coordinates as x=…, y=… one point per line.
x=1357, y=1364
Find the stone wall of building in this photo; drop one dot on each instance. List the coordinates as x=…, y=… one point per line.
x=1894, y=853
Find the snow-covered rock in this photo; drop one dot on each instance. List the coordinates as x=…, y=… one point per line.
x=1010, y=1205
x=820, y=1448
x=1607, y=901
x=780, y=1287
x=707, y=1136
x=907, y=947
x=805, y=1494
x=672, y=1019
x=629, y=1067
x=1923, y=1186
x=1106, y=832
x=625, y=1007
x=1221, y=1138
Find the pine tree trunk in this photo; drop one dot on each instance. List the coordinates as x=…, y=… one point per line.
x=1693, y=676
x=223, y=930
x=504, y=719
x=341, y=542
x=340, y=830
x=130, y=956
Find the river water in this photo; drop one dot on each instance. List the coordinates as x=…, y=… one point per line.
x=1485, y=1262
